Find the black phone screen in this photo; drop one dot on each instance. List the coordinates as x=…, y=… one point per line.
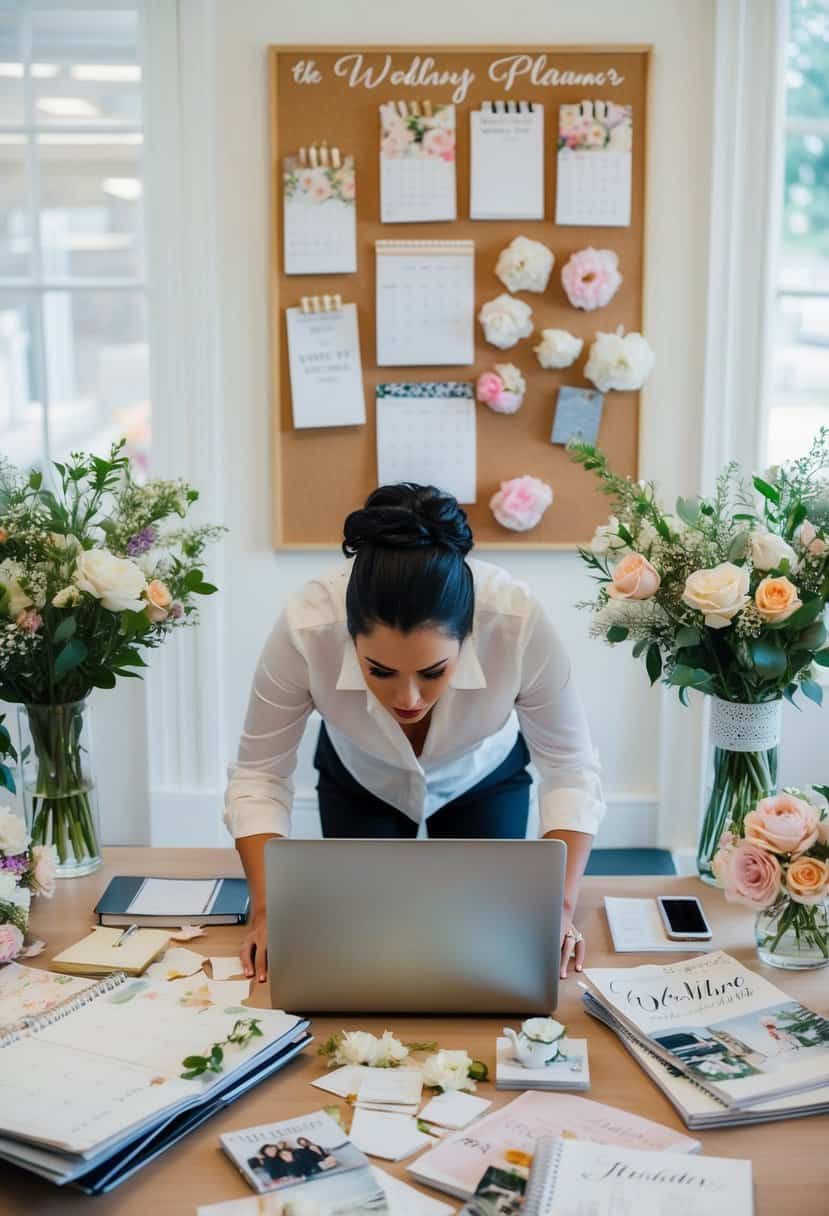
x=684, y=916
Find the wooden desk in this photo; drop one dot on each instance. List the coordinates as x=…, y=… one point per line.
x=791, y=1163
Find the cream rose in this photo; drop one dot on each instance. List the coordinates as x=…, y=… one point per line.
x=14, y=838
x=776, y=599
x=44, y=864
x=807, y=537
x=10, y=575
x=116, y=581
x=558, y=348
x=768, y=551
x=606, y=538
x=807, y=880
x=525, y=265
x=718, y=593
x=634, y=578
x=505, y=321
x=783, y=824
x=158, y=601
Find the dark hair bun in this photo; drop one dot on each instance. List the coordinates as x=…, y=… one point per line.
x=408, y=516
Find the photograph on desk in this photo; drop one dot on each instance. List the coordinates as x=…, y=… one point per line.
x=278, y=1155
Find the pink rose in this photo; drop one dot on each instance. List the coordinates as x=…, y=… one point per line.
x=752, y=876
x=521, y=502
x=11, y=942
x=44, y=865
x=591, y=278
x=29, y=621
x=440, y=142
x=807, y=880
x=782, y=824
x=634, y=578
x=489, y=388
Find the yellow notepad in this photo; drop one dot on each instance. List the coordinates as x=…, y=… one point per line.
x=97, y=954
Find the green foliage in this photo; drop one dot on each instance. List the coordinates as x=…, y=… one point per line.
x=213, y=1060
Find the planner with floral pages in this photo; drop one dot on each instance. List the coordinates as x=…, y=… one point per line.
x=417, y=162
x=319, y=212
x=594, y=164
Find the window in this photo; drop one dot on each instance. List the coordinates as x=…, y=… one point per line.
x=73, y=303
x=799, y=400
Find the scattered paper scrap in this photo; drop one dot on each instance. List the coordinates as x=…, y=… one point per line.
x=454, y=1110
x=344, y=1082
x=187, y=932
x=224, y=968
x=178, y=963
x=392, y=1137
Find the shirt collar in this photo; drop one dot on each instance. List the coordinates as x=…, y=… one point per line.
x=467, y=674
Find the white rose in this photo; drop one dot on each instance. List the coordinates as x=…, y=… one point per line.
x=116, y=581
x=67, y=597
x=620, y=363
x=505, y=321
x=10, y=575
x=511, y=378
x=719, y=593
x=525, y=265
x=606, y=538
x=356, y=1047
x=389, y=1051
x=558, y=348
x=448, y=1070
x=768, y=551
x=14, y=838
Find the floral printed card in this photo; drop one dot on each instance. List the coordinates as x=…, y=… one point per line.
x=593, y=185
x=320, y=224
x=417, y=162
x=26, y=992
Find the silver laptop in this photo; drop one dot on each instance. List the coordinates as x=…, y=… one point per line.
x=414, y=926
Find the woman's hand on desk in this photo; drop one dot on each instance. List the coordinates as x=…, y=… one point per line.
x=254, y=951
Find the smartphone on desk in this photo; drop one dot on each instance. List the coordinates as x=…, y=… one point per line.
x=683, y=918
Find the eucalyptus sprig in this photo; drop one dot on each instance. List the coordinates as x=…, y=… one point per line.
x=7, y=752
x=243, y=1031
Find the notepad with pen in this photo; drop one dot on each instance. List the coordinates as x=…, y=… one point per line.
x=106, y=950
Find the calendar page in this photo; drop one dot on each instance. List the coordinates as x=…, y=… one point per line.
x=507, y=165
x=426, y=434
x=417, y=163
x=320, y=220
x=326, y=372
x=593, y=185
x=425, y=302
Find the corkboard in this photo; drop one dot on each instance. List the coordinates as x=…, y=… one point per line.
x=320, y=475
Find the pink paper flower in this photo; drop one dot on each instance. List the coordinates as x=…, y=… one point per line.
x=489, y=388
x=752, y=876
x=440, y=142
x=521, y=502
x=634, y=578
x=782, y=824
x=502, y=390
x=591, y=278
x=11, y=942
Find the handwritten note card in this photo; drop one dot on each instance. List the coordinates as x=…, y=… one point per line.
x=425, y=302
x=417, y=162
x=326, y=372
x=507, y=169
x=593, y=185
x=426, y=434
x=320, y=224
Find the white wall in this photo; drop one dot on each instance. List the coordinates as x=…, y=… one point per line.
x=623, y=711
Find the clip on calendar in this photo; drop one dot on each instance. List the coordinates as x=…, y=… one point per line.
x=324, y=359
x=320, y=218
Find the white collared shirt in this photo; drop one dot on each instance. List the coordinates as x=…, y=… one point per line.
x=512, y=671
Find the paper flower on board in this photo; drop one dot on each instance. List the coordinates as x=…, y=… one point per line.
x=505, y=321
x=558, y=348
x=619, y=361
x=591, y=278
x=520, y=503
x=502, y=390
x=525, y=265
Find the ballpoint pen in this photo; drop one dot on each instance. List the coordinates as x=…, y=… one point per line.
x=128, y=932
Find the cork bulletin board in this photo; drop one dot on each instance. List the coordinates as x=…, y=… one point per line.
x=334, y=94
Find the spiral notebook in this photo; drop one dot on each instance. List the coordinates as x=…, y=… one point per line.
x=319, y=212
x=507, y=161
x=575, y=1177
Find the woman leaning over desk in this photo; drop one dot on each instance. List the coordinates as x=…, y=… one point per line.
x=415, y=656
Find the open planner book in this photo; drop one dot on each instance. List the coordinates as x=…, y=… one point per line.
x=92, y=1088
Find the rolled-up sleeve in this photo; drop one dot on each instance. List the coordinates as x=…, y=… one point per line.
x=260, y=786
x=553, y=723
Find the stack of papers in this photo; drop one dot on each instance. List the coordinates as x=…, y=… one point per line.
x=572, y=1073
x=395, y=1090
x=391, y=1137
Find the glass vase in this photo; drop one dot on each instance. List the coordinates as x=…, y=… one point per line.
x=744, y=744
x=59, y=796
x=794, y=936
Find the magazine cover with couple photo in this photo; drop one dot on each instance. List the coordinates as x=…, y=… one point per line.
x=278, y=1155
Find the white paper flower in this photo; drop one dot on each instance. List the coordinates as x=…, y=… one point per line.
x=606, y=538
x=356, y=1047
x=10, y=574
x=525, y=265
x=558, y=348
x=512, y=379
x=14, y=838
x=619, y=362
x=505, y=321
x=116, y=581
x=448, y=1070
x=768, y=551
x=389, y=1051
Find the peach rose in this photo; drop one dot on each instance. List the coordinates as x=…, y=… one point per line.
x=776, y=599
x=634, y=578
x=808, y=537
x=719, y=593
x=158, y=601
x=720, y=860
x=752, y=876
x=807, y=880
x=782, y=824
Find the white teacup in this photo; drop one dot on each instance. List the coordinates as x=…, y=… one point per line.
x=538, y=1042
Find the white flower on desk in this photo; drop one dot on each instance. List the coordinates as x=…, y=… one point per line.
x=448, y=1070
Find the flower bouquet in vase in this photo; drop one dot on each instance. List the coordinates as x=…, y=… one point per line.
x=92, y=573
x=724, y=595
x=776, y=861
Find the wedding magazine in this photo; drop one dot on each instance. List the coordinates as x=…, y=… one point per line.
x=723, y=1026
x=275, y=1156
x=509, y=1135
